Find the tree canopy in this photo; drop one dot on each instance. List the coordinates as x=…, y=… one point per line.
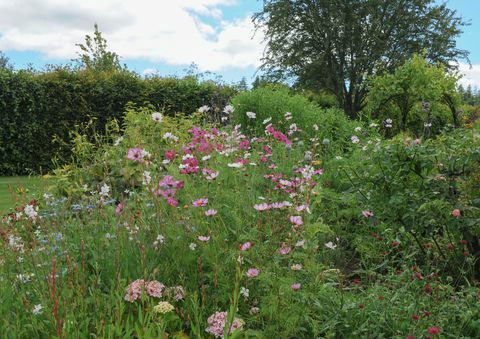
x=335, y=45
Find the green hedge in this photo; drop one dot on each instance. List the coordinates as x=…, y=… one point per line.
x=36, y=108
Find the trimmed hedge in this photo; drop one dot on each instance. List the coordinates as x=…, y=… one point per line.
x=36, y=108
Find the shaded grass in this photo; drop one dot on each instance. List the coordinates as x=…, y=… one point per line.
x=14, y=190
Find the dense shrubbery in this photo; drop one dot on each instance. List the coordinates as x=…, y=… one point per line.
x=36, y=108
x=288, y=112
x=287, y=240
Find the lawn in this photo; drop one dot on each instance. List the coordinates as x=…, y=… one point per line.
x=14, y=189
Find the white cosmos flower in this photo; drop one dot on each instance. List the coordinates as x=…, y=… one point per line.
x=235, y=165
x=330, y=245
x=228, y=109
x=204, y=109
x=156, y=116
x=267, y=120
x=355, y=139
x=251, y=115
x=37, y=309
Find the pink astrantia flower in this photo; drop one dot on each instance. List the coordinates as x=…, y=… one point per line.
x=456, y=213
x=210, y=213
x=367, y=214
x=296, y=219
x=296, y=286
x=246, y=246
x=216, y=324
x=253, y=272
x=284, y=250
x=200, y=202
x=203, y=238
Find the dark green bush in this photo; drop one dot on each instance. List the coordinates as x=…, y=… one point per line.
x=36, y=108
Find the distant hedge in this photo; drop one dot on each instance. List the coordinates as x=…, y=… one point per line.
x=37, y=107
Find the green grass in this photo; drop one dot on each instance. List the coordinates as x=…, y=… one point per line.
x=14, y=190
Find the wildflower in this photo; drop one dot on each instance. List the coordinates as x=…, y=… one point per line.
x=245, y=292
x=417, y=141
x=358, y=129
x=355, y=139
x=427, y=125
x=30, y=212
x=253, y=272
x=240, y=260
x=284, y=250
x=330, y=245
x=296, y=286
x=235, y=165
x=433, y=330
x=367, y=214
x=267, y=120
x=296, y=219
x=200, y=202
x=177, y=291
x=296, y=267
x=119, y=209
x=204, y=109
x=118, y=141
x=251, y=115
x=159, y=241
x=210, y=213
x=300, y=243
x=163, y=307
x=456, y=213
x=246, y=246
x=136, y=154
x=216, y=324
x=388, y=123
x=37, y=309
x=192, y=246
x=203, y=238
x=253, y=310
x=262, y=207
x=154, y=288
x=288, y=116
x=228, y=109
x=156, y=116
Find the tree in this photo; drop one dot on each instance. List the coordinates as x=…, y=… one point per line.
x=415, y=83
x=95, y=56
x=335, y=45
x=4, y=61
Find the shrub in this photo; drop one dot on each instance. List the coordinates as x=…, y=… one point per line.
x=275, y=101
x=47, y=106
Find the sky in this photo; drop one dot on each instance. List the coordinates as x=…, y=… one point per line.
x=165, y=36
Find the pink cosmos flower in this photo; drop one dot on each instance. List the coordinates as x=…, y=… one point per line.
x=210, y=213
x=296, y=286
x=262, y=207
x=253, y=272
x=367, y=214
x=456, y=213
x=246, y=246
x=200, y=202
x=136, y=154
x=284, y=250
x=296, y=219
x=203, y=238
x=119, y=209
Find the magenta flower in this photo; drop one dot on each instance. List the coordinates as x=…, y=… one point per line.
x=200, y=202
x=456, y=213
x=253, y=272
x=210, y=213
x=296, y=219
x=136, y=154
x=296, y=286
x=367, y=214
x=246, y=246
x=284, y=250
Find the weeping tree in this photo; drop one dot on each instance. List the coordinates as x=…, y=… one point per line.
x=335, y=45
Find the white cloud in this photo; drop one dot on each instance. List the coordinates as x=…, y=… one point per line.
x=175, y=32
x=471, y=75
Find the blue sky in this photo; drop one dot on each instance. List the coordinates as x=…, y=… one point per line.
x=163, y=36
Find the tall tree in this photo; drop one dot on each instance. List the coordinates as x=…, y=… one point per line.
x=95, y=56
x=335, y=45
x=4, y=61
